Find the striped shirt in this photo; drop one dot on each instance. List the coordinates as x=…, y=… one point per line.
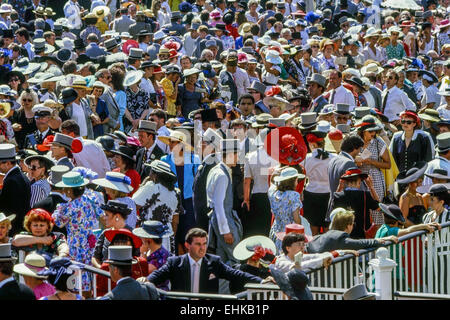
x=39, y=191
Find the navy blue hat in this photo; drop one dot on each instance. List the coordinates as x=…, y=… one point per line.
x=392, y=211
x=294, y=283
x=185, y=7
x=57, y=267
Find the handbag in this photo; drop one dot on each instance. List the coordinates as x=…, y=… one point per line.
x=369, y=233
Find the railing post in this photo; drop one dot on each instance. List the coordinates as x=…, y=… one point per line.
x=383, y=267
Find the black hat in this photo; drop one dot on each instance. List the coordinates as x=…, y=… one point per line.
x=294, y=283
x=147, y=64
x=209, y=115
x=392, y=211
x=83, y=58
x=116, y=207
x=412, y=174
x=356, y=81
x=8, y=33
x=48, y=163
x=153, y=230
x=125, y=151
x=438, y=173
x=221, y=27
x=67, y=95
x=438, y=189
x=79, y=44
x=63, y=55
x=228, y=18
x=107, y=142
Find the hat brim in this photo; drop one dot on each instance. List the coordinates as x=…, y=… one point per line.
x=121, y=263
x=122, y=154
x=111, y=233
x=385, y=209
x=427, y=117
x=414, y=177
x=61, y=184
x=23, y=270
x=119, y=186
x=363, y=176
x=168, y=139
x=11, y=217
x=289, y=159
x=141, y=233
x=156, y=169
x=241, y=252
x=48, y=162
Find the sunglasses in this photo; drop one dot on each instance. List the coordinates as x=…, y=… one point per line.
x=407, y=122
x=14, y=79
x=314, y=46
x=27, y=100
x=447, y=52
x=391, y=78
x=34, y=168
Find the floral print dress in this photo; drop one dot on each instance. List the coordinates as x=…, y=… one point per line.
x=283, y=205
x=80, y=217
x=158, y=259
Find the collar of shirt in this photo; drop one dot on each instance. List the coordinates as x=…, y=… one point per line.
x=227, y=167
x=45, y=132
x=316, y=100
x=413, y=137
x=118, y=281
x=348, y=155
x=59, y=194
x=192, y=261
x=16, y=166
x=441, y=158
x=150, y=150
x=2, y=283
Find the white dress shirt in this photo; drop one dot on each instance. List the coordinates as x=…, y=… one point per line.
x=216, y=190
x=195, y=274
x=256, y=166
x=163, y=131
x=242, y=81
x=369, y=54
x=343, y=95
x=72, y=14
x=30, y=51
x=317, y=172
x=309, y=261
x=397, y=101
x=92, y=157
x=80, y=118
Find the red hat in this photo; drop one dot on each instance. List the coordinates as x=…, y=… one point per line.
x=171, y=44
x=173, y=54
x=444, y=23
x=335, y=134
x=293, y=227
x=127, y=45
x=158, y=69
x=411, y=114
x=406, y=23
x=289, y=148
x=273, y=91
x=41, y=213
x=242, y=57
x=45, y=146
x=354, y=172
x=111, y=233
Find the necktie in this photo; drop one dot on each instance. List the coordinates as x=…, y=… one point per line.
x=322, y=154
x=196, y=278
x=384, y=102
x=144, y=159
x=333, y=92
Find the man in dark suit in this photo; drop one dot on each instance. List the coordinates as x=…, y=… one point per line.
x=150, y=150
x=226, y=77
x=16, y=193
x=120, y=261
x=42, y=116
x=316, y=87
x=197, y=271
x=350, y=148
x=10, y=289
x=175, y=24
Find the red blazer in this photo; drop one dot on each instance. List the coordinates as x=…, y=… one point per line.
x=135, y=179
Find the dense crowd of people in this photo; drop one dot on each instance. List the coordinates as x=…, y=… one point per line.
x=197, y=146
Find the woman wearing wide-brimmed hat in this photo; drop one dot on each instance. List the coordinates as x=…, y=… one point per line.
x=118, y=187
x=39, y=169
x=153, y=233
x=284, y=202
x=348, y=195
x=5, y=226
x=183, y=163
x=80, y=217
x=29, y=269
x=188, y=98
x=165, y=206
x=411, y=202
x=137, y=99
x=124, y=159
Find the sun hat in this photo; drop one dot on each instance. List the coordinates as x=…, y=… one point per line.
x=354, y=172
x=293, y=283
x=5, y=109
x=445, y=92
x=368, y=123
x=4, y=217
x=191, y=71
x=33, y=264
x=358, y=292
x=116, y=206
x=293, y=227
x=47, y=161
x=273, y=57
x=161, y=167
x=132, y=77
x=26, y=67
x=288, y=145
x=126, y=152
x=72, y=180
x=371, y=68
x=430, y=115
x=287, y=174
x=153, y=230
x=439, y=173
x=413, y=174
x=111, y=233
x=116, y=181
x=120, y=255
x=247, y=247
x=276, y=101
x=393, y=211
x=175, y=135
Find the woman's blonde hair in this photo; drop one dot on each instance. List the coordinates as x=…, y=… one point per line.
x=341, y=218
x=7, y=222
x=28, y=93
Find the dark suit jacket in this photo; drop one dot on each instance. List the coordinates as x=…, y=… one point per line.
x=225, y=78
x=32, y=140
x=15, y=198
x=330, y=28
x=16, y=291
x=49, y=204
x=376, y=94
x=178, y=271
x=130, y=289
x=320, y=104
x=338, y=240
x=144, y=171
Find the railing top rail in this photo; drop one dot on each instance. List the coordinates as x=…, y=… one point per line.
x=189, y=295
x=419, y=295
x=386, y=244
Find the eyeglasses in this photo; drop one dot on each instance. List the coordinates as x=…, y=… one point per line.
x=389, y=22
x=27, y=100
x=407, y=122
x=14, y=79
x=34, y=168
x=314, y=46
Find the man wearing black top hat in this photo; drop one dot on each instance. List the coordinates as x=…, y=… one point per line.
x=120, y=262
x=150, y=150
x=10, y=289
x=16, y=192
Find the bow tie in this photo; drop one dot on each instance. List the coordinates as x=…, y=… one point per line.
x=322, y=154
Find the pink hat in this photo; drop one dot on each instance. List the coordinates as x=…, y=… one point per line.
x=214, y=14
x=293, y=227
x=444, y=23
x=242, y=57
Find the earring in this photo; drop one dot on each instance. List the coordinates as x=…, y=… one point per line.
x=117, y=219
